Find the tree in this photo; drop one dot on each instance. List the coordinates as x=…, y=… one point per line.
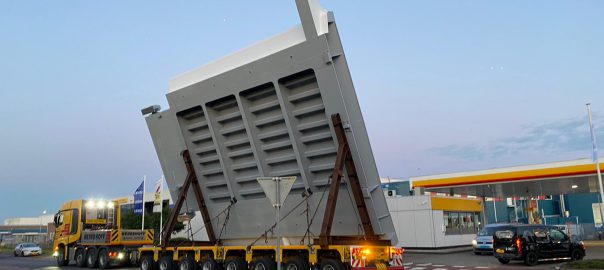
x=131, y=221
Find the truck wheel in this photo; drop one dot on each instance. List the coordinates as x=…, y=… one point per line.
x=265, y=264
x=577, y=255
x=91, y=261
x=531, y=258
x=209, y=264
x=103, y=259
x=503, y=260
x=79, y=257
x=297, y=264
x=187, y=263
x=331, y=264
x=166, y=263
x=235, y=264
x=61, y=261
x=147, y=262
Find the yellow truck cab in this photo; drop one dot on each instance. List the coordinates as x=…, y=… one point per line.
x=88, y=232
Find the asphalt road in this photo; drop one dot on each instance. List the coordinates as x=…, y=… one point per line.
x=468, y=260
x=413, y=261
x=8, y=262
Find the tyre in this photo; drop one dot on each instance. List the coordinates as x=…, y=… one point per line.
x=235, y=264
x=331, y=264
x=61, y=261
x=209, y=264
x=15, y=253
x=104, y=261
x=22, y=254
x=80, y=259
x=297, y=264
x=147, y=262
x=91, y=260
x=503, y=260
x=531, y=258
x=166, y=263
x=265, y=264
x=577, y=255
x=187, y=263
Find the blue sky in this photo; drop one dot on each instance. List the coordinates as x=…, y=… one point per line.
x=444, y=85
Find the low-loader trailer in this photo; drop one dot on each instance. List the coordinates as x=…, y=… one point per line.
x=89, y=233
x=283, y=107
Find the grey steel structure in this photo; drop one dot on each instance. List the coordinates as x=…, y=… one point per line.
x=265, y=111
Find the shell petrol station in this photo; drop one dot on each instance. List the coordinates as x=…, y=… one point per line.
x=446, y=210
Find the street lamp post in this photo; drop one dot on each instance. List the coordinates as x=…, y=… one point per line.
x=40, y=220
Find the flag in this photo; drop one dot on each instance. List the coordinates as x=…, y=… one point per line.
x=594, y=154
x=157, y=204
x=138, y=199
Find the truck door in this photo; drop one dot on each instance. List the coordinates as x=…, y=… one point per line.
x=66, y=225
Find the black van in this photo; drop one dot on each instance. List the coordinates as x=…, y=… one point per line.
x=533, y=243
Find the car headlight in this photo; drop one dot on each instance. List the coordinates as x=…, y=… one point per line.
x=474, y=243
x=120, y=255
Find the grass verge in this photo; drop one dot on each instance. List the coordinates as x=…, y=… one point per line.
x=586, y=264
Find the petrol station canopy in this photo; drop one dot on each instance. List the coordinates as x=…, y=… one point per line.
x=566, y=177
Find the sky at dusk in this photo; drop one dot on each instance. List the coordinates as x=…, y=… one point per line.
x=444, y=86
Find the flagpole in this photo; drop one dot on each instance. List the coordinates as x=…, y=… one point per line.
x=161, y=211
x=597, y=161
x=144, y=182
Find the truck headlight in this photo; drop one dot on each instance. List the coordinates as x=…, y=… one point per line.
x=55, y=254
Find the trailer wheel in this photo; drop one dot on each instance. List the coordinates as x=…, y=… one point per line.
x=235, y=264
x=91, y=260
x=79, y=257
x=147, y=262
x=187, y=263
x=331, y=264
x=297, y=264
x=264, y=264
x=166, y=263
x=103, y=259
x=209, y=264
x=61, y=261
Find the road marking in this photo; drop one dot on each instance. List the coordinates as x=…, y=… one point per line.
x=408, y=263
x=440, y=269
x=424, y=264
x=438, y=265
x=418, y=268
x=459, y=266
x=481, y=267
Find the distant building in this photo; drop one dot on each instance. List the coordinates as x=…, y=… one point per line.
x=27, y=229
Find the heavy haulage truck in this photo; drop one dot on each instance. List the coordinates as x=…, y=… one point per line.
x=285, y=106
x=89, y=233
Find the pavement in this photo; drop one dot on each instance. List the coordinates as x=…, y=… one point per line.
x=465, y=260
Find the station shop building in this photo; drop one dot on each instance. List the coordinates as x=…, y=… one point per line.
x=446, y=210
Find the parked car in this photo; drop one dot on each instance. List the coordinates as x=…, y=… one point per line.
x=27, y=249
x=533, y=243
x=483, y=242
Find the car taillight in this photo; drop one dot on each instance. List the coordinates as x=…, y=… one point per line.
x=519, y=245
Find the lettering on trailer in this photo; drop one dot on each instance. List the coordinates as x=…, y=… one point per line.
x=133, y=235
x=89, y=237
